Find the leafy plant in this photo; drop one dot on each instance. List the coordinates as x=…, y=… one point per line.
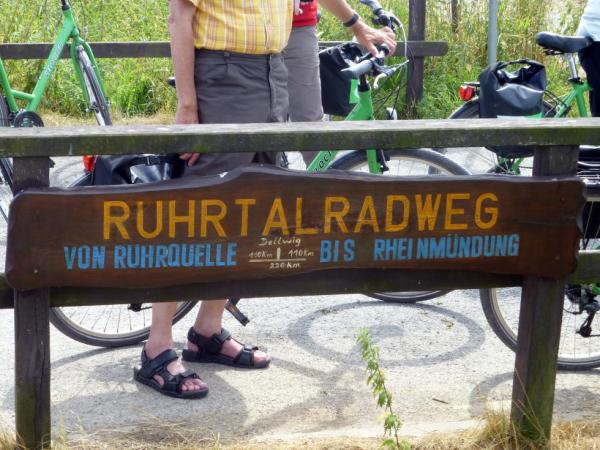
x=376, y=381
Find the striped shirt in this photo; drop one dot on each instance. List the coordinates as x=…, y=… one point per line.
x=257, y=27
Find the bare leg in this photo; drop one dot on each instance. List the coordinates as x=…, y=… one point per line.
x=209, y=321
x=161, y=339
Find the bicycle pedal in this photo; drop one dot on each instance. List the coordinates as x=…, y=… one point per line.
x=231, y=306
x=592, y=307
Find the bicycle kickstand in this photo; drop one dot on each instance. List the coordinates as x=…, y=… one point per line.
x=231, y=306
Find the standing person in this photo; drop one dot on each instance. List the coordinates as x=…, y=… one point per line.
x=301, y=56
x=229, y=69
x=590, y=57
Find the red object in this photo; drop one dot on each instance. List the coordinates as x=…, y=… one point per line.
x=308, y=17
x=466, y=92
x=89, y=162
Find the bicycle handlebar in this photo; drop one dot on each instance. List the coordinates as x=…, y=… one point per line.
x=373, y=5
x=368, y=64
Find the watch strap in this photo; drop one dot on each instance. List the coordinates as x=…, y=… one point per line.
x=352, y=20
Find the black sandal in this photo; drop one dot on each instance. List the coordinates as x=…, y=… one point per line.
x=209, y=351
x=171, y=383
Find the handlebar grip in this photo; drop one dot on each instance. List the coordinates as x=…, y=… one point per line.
x=358, y=69
x=373, y=5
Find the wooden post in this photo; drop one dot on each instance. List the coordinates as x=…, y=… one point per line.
x=32, y=336
x=416, y=32
x=539, y=326
x=455, y=13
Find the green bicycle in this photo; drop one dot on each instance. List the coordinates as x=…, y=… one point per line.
x=579, y=346
x=86, y=69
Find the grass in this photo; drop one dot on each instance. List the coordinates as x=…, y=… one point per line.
x=495, y=433
x=137, y=87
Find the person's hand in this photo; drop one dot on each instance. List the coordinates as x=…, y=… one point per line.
x=297, y=9
x=368, y=37
x=187, y=116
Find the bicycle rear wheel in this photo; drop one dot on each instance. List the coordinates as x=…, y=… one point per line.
x=579, y=347
x=405, y=162
x=5, y=165
x=108, y=325
x=98, y=103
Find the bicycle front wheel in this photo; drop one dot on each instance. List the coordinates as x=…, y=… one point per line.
x=97, y=100
x=406, y=162
x=108, y=325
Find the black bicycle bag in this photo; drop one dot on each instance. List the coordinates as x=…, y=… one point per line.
x=132, y=169
x=517, y=93
x=335, y=88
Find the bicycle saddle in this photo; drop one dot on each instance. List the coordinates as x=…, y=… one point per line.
x=562, y=44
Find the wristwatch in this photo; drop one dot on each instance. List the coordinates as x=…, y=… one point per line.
x=352, y=20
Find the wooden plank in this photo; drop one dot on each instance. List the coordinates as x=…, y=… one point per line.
x=226, y=138
x=539, y=326
x=537, y=349
x=322, y=282
x=32, y=368
x=162, y=49
x=416, y=68
x=257, y=222
x=32, y=336
x=30, y=172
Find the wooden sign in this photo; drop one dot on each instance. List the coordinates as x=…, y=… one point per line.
x=262, y=222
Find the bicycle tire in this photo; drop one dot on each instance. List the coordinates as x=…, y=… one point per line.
x=501, y=306
x=98, y=103
x=5, y=165
x=497, y=303
x=92, y=330
x=420, y=162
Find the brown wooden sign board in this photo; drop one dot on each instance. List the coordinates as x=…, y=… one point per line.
x=261, y=222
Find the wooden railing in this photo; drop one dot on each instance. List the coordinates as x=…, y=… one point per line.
x=556, y=151
x=419, y=49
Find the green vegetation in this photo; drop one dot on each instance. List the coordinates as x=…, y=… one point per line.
x=137, y=86
x=376, y=381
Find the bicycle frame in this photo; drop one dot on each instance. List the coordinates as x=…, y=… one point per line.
x=361, y=95
x=69, y=31
x=578, y=89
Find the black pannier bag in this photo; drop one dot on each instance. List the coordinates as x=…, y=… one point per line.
x=335, y=88
x=131, y=169
x=518, y=93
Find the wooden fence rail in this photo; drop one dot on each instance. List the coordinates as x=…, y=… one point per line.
x=556, y=151
x=162, y=49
